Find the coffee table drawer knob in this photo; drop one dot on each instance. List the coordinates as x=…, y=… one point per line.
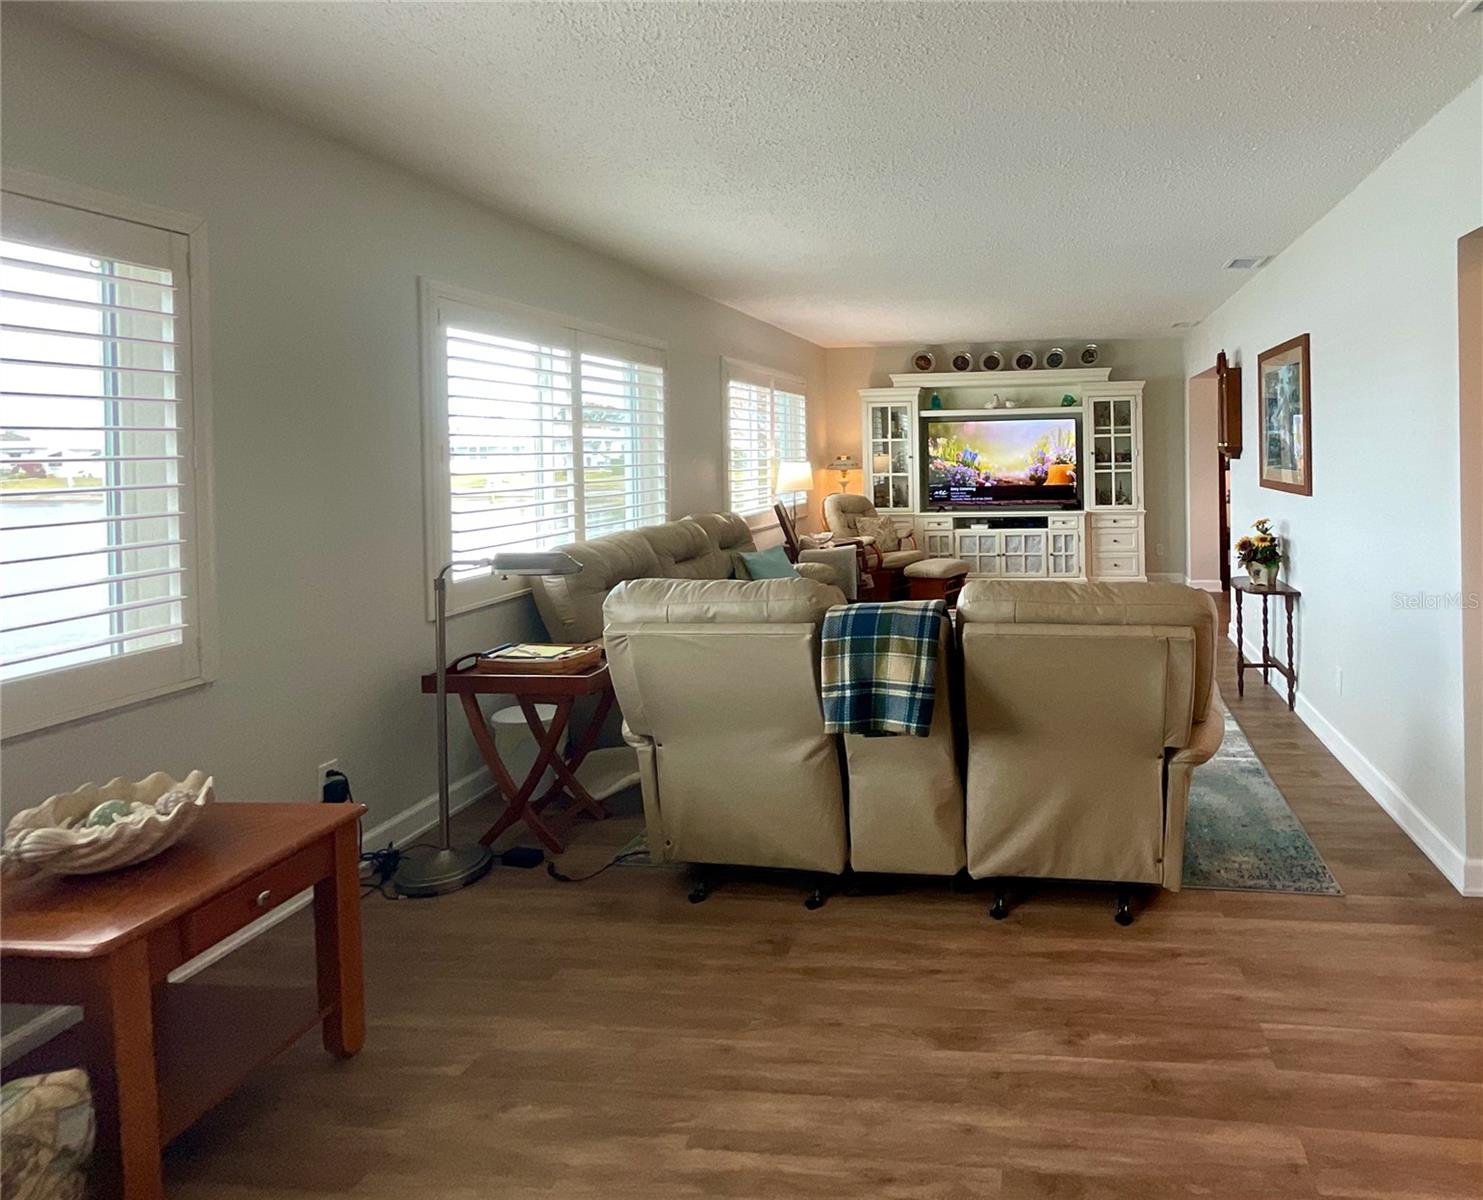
x=263, y=897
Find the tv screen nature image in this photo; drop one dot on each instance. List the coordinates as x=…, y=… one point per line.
x=987, y=462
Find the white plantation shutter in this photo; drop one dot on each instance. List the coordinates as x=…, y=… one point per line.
x=97, y=527
x=543, y=435
x=750, y=465
x=624, y=484
x=509, y=443
x=790, y=432
x=767, y=423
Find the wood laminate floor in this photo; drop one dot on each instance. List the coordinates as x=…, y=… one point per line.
x=608, y=1039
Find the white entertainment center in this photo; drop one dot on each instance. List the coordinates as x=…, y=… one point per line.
x=1102, y=538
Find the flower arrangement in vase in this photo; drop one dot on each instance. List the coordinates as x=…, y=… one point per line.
x=1260, y=552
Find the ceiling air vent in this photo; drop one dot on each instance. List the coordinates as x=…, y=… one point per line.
x=1248, y=264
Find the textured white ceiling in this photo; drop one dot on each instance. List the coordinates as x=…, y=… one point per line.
x=866, y=172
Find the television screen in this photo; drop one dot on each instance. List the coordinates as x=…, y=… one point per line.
x=977, y=462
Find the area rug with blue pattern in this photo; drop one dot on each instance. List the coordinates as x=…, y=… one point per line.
x=1240, y=834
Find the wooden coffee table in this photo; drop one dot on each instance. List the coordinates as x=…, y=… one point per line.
x=161, y=1054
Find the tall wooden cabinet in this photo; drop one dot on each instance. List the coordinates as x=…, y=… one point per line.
x=1103, y=540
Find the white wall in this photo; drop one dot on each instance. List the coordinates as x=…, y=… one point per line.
x=1158, y=361
x=315, y=253
x=1375, y=285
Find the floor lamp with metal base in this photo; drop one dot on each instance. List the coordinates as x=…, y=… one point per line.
x=448, y=867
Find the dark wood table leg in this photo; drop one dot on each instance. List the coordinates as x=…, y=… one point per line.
x=337, y=948
x=118, y=1033
x=1266, y=649
x=1292, y=668
x=517, y=807
x=565, y=766
x=1240, y=647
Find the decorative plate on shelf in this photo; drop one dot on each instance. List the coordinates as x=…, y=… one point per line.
x=923, y=360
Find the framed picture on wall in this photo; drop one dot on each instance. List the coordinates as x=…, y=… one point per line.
x=1286, y=418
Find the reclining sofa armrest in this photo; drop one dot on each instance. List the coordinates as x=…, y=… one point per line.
x=1205, y=739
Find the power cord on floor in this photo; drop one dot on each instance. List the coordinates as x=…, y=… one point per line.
x=383, y=866
x=612, y=862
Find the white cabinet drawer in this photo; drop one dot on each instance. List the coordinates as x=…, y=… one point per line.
x=935, y=523
x=1102, y=520
x=1064, y=522
x=1116, y=541
x=1110, y=566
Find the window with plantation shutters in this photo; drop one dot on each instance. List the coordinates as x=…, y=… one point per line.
x=539, y=433
x=99, y=565
x=766, y=424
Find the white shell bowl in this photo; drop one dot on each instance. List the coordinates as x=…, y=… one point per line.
x=51, y=838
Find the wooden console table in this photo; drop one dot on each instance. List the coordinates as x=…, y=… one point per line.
x=561, y=690
x=161, y=1054
x=1288, y=670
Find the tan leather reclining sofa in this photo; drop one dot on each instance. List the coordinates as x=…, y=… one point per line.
x=1084, y=709
x=702, y=546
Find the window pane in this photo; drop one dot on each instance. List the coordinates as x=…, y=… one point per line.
x=91, y=447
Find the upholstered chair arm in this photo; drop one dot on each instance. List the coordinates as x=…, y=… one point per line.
x=841, y=562
x=819, y=572
x=1205, y=739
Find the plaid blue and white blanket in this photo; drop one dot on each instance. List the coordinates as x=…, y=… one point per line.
x=880, y=666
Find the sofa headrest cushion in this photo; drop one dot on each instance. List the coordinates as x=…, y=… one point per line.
x=719, y=602
x=1054, y=603
x=571, y=605
x=728, y=530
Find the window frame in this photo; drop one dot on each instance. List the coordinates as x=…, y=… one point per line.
x=521, y=320
x=33, y=703
x=736, y=370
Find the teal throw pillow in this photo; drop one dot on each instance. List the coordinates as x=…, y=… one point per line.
x=768, y=564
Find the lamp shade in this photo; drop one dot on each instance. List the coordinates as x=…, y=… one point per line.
x=844, y=462
x=795, y=475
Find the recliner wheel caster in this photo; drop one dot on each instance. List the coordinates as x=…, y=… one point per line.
x=1000, y=908
x=1124, y=913
x=700, y=891
x=815, y=899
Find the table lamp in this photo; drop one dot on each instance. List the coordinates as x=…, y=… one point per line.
x=844, y=464
x=451, y=867
x=795, y=475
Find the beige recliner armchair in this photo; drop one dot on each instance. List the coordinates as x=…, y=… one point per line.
x=842, y=513
x=719, y=686
x=1087, y=706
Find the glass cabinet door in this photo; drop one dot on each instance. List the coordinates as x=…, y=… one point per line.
x=889, y=465
x=1063, y=556
x=1114, y=466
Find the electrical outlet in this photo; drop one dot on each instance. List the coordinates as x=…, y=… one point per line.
x=1158, y=551
x=1339, y=680
x=324, y=769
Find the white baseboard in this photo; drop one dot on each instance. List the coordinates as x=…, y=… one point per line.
x=1446, y=857
x=1472, y=877
x=401, y=830
x=1465, y=874
x=1165, y=577
x=1205, y=585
